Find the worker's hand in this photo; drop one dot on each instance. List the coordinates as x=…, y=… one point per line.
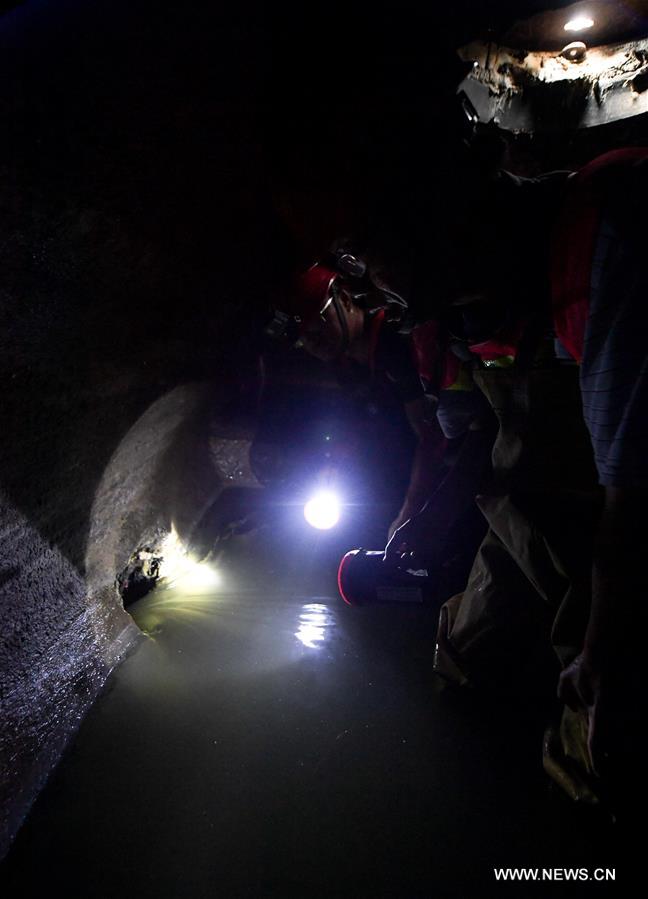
x=584, y=688
x=410, y=538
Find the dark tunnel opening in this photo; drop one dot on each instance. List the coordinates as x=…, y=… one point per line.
x=164, y=173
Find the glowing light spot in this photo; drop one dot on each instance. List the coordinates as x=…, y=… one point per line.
x=315, y=623
x=322, y=511
x=579, y=23
x=574, y=52
x=201, y=577
x=179, y=569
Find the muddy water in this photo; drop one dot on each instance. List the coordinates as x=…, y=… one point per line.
x=266, y=741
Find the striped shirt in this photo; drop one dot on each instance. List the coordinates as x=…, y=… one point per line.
x=614, y=368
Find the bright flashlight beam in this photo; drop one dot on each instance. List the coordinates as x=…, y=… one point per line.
x=579, y=23
x=322, y=511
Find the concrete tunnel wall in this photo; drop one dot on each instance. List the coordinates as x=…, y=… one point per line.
x=64, y=626
x=130, y=244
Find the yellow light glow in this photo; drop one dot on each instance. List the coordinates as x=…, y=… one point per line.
x=579, y=23
x=179, y=569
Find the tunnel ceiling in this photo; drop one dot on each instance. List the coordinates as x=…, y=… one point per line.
x=614, y=22
x=540, y=75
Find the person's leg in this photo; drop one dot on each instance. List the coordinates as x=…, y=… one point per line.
x=496, y=631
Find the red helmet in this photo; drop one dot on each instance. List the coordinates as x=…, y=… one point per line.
x=311, y=294
x=305, y=301
x=314, y=290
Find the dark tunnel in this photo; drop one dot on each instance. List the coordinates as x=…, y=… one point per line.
x=165, y=169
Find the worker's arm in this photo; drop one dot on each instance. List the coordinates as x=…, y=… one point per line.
x=603, y=679
x=424, y=532
x=426, y=463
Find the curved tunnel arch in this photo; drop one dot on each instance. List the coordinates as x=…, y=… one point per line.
x=167, y=473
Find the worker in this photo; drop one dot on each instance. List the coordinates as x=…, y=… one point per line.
x=561, y=562
x=343, y=308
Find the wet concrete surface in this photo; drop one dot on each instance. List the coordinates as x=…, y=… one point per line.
x=267, y=740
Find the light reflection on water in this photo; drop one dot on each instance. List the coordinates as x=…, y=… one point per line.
x=170, y=604
x=316, y=623
x=269, y=629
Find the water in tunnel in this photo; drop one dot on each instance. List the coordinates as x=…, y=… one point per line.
x=188, y=705
x=271, y=740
